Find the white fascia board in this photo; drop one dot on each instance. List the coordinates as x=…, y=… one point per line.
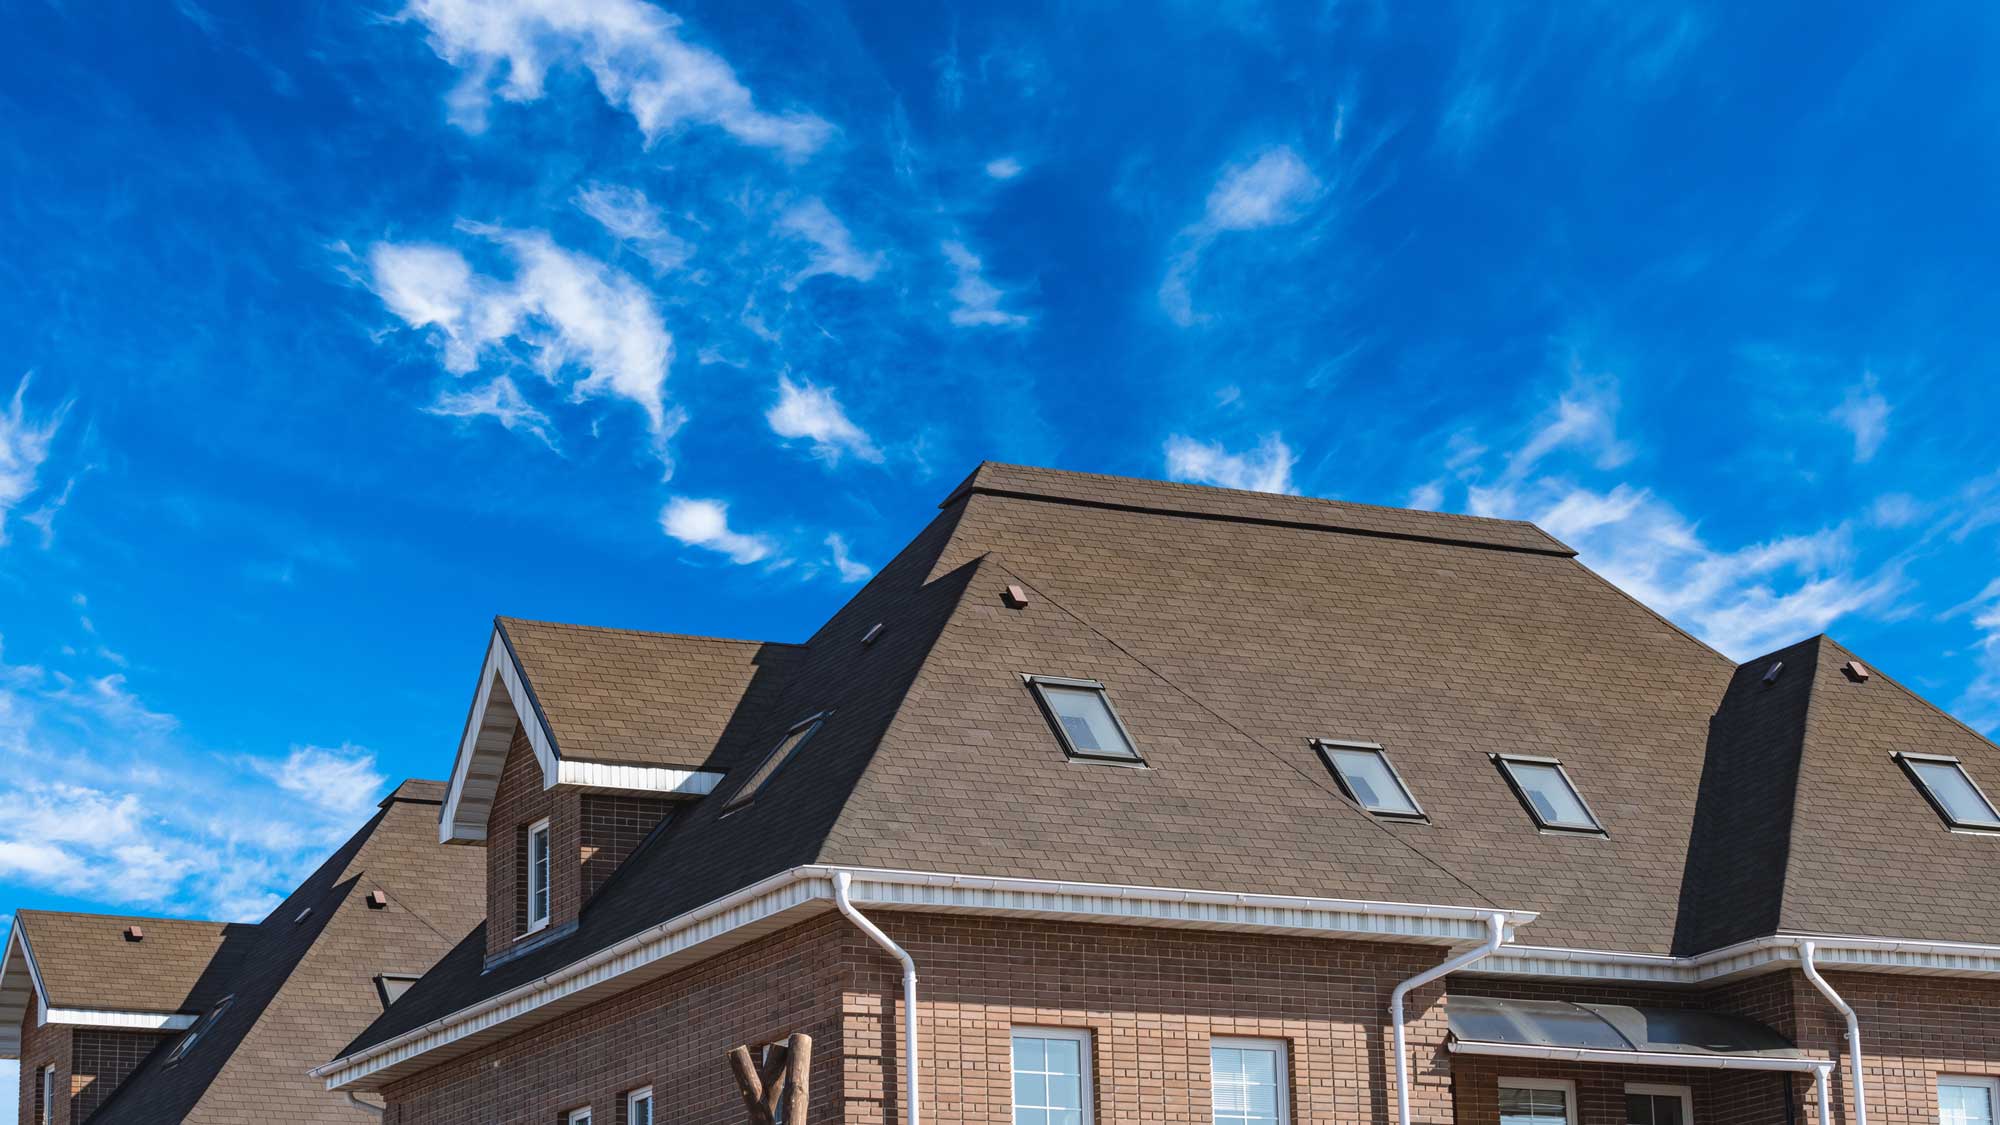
x=637, y=779
x=122, y=1021
x=1867, y=954
x=809, y=889
x=1634, y=1058
x=463, y=818
x=18, y=980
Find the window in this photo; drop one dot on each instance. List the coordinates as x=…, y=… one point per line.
x=538, y=875
x=1369, y=780
x=639, y=1107
x=201, y=1027
x=1544, y=787
x=779, y=754
x=45, y=1095
x=1964, y=1100
x=1083, y=718
x=579, y=1116
x=1537, y=1101
x=391, y=986
x=1051, y=1076
x=1248, y=1081
x=1945, y=784
x=1650, y=1104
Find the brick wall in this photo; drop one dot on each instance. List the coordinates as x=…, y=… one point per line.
x=1151, y=999
x=672, y=1033
x=611, y=828
x=103, y=1059
x=518, y=802
x=1912, y=1030
x=44, y=1046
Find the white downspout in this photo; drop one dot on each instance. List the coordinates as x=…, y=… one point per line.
x=1860, y=1114
x=1496, y=936
x=374, y=1109
x=841, y=879
x=1823, y=1088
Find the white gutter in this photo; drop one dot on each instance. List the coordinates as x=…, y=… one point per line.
x=1496, y=935
x=355, y=1099
x=1893, y=955
x=1860, y=1114
x=1818, y=1067
x=911, y=1057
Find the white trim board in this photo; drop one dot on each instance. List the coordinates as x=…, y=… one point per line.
x=1758, y=955
x=505, y=700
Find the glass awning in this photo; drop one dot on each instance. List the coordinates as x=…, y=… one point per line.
x=1586, y=1031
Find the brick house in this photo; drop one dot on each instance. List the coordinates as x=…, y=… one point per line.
x=121, y=1021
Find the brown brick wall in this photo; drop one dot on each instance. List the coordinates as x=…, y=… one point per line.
x=44, y=1046
x=1912, y=1030
x=518, y=802
x=671, y=1033
x=102, y=1060
x=611, y=828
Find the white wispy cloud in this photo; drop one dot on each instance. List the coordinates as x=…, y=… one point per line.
x=978, y=299
x=1742, y=600
x=1272, y=189
x=1003, y=167
x=1268, y=468
x=24, y=446
x=1895, y=509
x=1865, y=414
x=572, y=313
x=499, y=400
x=833, y=250
x=633, y=220
x=807, y=411
x=843, y=563
x=632, y=49
x=705, y=523
x=1426, y=497
x=1979, y=703
x=342, y=779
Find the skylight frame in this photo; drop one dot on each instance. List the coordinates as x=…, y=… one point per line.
x=1505, y=763
x=1951, y=821
x=1036, y=685
x=202, y=1027
x=771, y=764
x=1324, y=747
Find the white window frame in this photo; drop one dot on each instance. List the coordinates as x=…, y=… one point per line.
x=580, y=1116
x=1991, y=1086
x=1667, y=1089
x=48, y=1094
x=1284, y=1072
x=1565, y=1085
x=1086, y=1093
x=645, y=1094
x=535, y=924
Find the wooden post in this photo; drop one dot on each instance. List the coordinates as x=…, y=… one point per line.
x=785, y=1066
x=798, y=1062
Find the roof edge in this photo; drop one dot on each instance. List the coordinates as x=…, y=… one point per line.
x=1771, y=953
x=1332, y=509
x=810, y=888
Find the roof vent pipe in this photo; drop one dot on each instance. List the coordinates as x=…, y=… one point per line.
x=1860, y=1114
x=1496, y=936
x=911, y=1059
x=1772, y=673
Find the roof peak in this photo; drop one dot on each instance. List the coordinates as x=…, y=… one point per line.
x=1269, y=508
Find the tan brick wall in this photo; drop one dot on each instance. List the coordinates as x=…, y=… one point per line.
x=102, y=1060
x=518, y=802
x=672, y=1034
x=44, y=1046
x=1912, y=1030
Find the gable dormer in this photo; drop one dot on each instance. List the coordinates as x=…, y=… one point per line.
x=580, y=744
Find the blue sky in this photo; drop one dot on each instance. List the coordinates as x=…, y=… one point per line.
x=333, y=330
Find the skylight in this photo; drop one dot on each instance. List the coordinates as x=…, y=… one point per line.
x=1367, y=777
x=1081, y=714
x=1953, y=793
x=195, y=1033
x=1546, y=791
x=779, y=754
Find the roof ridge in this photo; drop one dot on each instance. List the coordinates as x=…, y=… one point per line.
x=167, y=918
x=644, y=632
x=1160, y=494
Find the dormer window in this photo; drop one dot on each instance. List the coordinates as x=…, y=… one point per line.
x=1545, y=790
x=1951, y=791
x=1081, y=714
x=1369, y=780
x=538, y=875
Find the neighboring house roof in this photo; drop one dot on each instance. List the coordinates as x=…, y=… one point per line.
x=300, y=982
x=1231, y=628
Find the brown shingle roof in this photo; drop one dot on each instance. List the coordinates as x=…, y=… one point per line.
x=617, y=695
x=85, y=961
